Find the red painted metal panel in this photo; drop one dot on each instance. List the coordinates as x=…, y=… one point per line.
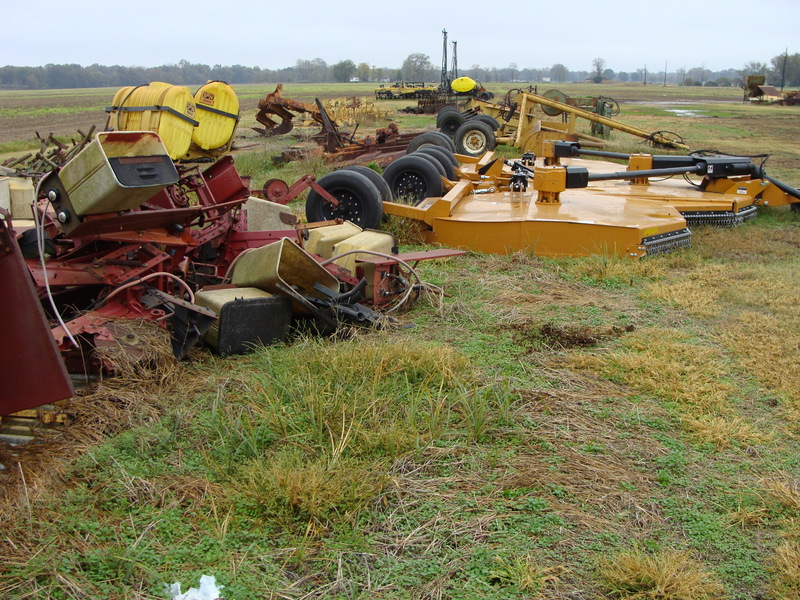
x=31, y=370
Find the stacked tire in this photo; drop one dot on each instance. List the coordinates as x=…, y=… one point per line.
x=418, y=174
x=472, y=134
x=360, y=193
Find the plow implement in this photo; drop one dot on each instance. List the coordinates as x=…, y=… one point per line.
x=277, y=113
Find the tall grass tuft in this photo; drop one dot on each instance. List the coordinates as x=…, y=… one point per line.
x=669, y=575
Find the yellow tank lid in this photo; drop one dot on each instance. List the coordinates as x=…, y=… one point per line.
x=463, y=84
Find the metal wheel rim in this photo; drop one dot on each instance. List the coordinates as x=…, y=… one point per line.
x=350, y=207
x=475, y=142
x=409, y=185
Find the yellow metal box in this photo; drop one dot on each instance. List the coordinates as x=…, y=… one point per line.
x=117, y=171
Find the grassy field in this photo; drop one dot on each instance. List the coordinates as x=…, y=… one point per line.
x=559, y=429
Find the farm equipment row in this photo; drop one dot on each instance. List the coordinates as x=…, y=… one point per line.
x=124, y=231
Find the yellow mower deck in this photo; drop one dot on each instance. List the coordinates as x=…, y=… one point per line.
x=699, y=207
x=581, y=224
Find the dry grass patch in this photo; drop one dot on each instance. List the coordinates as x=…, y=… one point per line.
x=722, y=431
x=785, y=571
x=526, y=573
x=668, y=575
x=768, y=346
x=696, y=291
x=290, y=486
x=785, y=491
x=669, y=365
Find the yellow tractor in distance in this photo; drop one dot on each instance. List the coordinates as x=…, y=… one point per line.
x=403, y=90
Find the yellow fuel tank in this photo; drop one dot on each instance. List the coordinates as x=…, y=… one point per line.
x=168, y=110
x=217, y=115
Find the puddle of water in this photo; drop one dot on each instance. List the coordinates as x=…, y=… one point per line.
x=682, y=112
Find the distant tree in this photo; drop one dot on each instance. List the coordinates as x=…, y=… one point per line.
x=558, y=72
x=512, y=67
x=598, y=64
x=343, y=70
x=417, y=67
x=723, y=82
x=699, y=74
x=609, y=74
x=785, y=69
x=753, y=68
x=623, y=76
x=363, y=71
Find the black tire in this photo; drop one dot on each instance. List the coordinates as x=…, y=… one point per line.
x=449, y=122
x=359, y=200
x=795, y=207
x=412, y=179
x=378, y=181
x=451, y=158
x=489, y=120
x=436, y=138
x=475, y=138
x=440, y=156
x=447, y=109
x=433, y=160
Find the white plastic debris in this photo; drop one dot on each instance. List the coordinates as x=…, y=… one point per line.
x=208, y=590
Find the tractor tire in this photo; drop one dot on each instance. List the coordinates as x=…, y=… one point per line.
x=795, y=207
x=449, y=122
x=359, y=200
x=412, y=179
x=489, y=120
x=441, y=158
x=433, y=160
x=431, y=137
x=474, y=138
x=378, y=181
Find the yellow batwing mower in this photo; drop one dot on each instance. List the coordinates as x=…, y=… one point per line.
x=564, y=205
x=726, y=190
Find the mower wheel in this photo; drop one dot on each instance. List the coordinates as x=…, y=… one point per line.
x=359, y=200
x=433, y=160
x=412, y=179
x=795, y=207
x=489, y=120
x=431, y=137
x=447, y=109
x=378, y=181
x=450, y=157
x=449, y=122
x=475, y=138
x=442, y=160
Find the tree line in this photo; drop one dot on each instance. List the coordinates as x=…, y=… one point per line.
x=781, y=70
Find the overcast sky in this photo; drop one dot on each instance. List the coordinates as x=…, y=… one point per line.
x=628, y=35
